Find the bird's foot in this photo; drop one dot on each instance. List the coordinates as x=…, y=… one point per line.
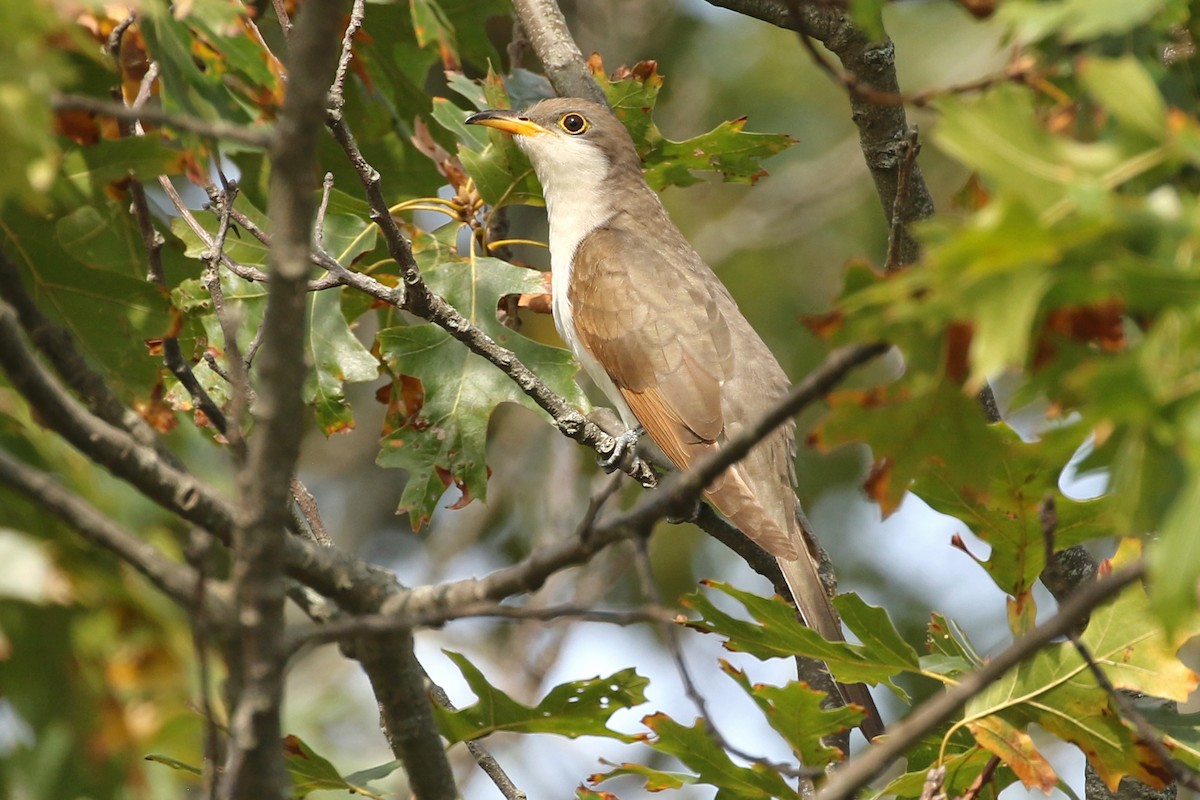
x=622, y=445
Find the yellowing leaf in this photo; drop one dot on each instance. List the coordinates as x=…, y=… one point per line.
x=1016, y=749
x=1056, y=690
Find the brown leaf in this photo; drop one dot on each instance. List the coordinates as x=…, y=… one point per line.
x=404, y=398
x=958, y=347
x=1100, y=324
x=878, y=484
x=157, y=413
x=824, y=326
x=1016, y=749
x=447, y=164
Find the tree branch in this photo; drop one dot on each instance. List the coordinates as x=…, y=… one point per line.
x=546, y=29
x=677, y=495
x=177, y=581
x=255, y=767
x=217, y=129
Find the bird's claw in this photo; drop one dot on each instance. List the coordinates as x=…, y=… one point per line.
x=623, y=444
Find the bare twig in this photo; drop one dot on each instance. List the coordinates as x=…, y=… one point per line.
x=281, y=13
x=358, y=626
x=677, y=496
x=982, y=779
x=215, y=129
x=908, y=157
x=199, y=551
x=868, y=765
x=177, y=581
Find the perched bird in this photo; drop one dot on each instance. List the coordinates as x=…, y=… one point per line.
x=662, y=337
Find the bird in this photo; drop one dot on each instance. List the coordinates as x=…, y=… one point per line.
x=663, y=339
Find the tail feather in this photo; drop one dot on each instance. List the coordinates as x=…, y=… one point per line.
x=808, y=592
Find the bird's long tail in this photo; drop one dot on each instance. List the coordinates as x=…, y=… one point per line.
x=808, y=592
x=789, y=538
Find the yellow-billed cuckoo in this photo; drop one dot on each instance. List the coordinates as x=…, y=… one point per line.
x=662, y=337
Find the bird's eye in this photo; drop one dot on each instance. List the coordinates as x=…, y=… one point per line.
x=573, y=124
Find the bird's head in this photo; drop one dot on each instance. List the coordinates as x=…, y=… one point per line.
x=568, y=140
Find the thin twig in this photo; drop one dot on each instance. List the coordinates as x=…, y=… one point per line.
x=175, y=580
x=352, y=627
x=982, y=779
x=911, y=146
x=198, y=555
x=156, y=116
x=670, y=632
x=486, y=761
x=281, y=13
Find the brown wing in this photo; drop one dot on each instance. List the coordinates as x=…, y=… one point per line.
x=664, y=340
x=663, y=329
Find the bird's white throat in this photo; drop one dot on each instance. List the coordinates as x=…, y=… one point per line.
x=573, y=173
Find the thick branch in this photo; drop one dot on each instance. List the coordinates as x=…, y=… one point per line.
x=546, y=29
x=399, y=684
x=875, y=103
x=255, y=768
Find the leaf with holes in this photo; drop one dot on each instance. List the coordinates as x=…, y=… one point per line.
x=578, y=708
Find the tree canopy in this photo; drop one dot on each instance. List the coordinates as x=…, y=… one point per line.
x=277, y=373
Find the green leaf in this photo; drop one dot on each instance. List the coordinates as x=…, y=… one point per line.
x=697, y=749
x=728, y=150
x=655, y=780
x=795, y=712
x=577, y=708
x=1181, y=732
x=998, y=135
x=1174, y=561
x=1124, y=87
x=93, y=282
x=113, y=160
x=951, y=652
x=431, y=25
x=1077, y=20
x=874, y=628
x=963, y=766
x=338, y=358
x=447, y=435
x=375, y=773
x=1002, y=502
x=778, y=634
x=192, y=77
x=312, y=772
